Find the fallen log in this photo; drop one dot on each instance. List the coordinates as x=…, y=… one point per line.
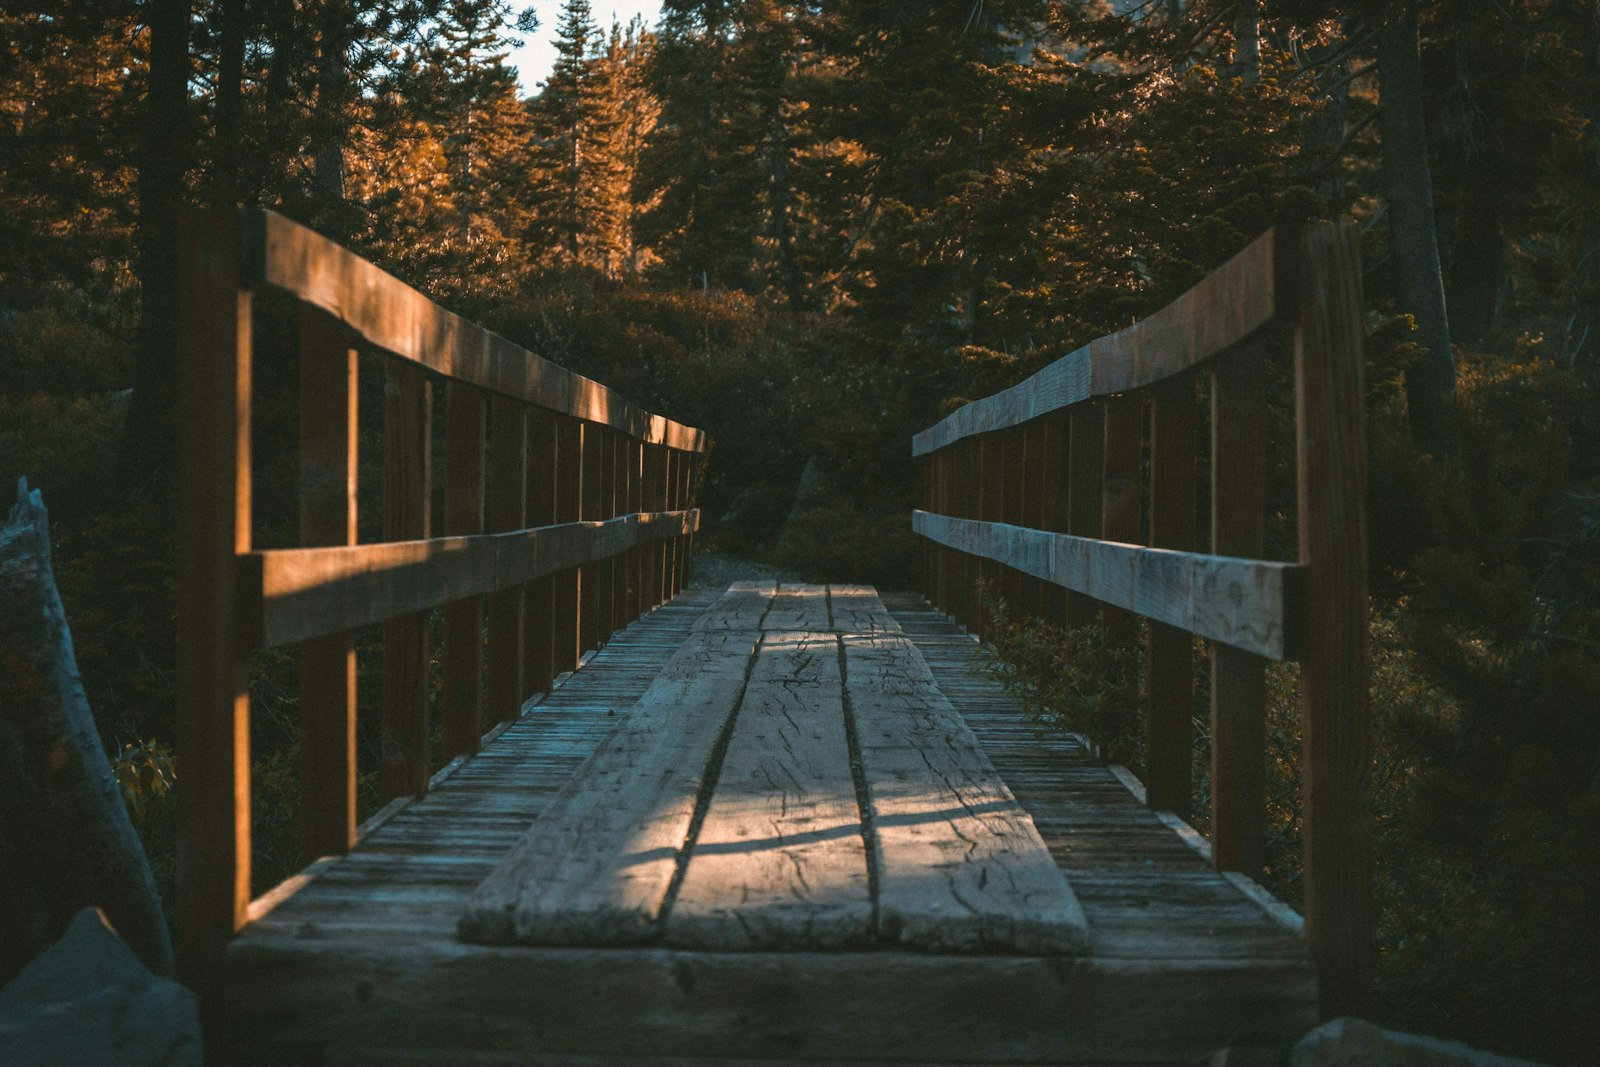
x=65, y=839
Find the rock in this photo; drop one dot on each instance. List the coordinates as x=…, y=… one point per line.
x=1356, y=1043
x=88, y=1000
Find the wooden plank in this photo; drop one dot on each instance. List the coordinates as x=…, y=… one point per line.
x=346, y=996
x=595, y=867
x=396, y=318
x=508, y=507
x=1236, y=301
x=1169, y=713
x=959, y=865
x=1251, y=604
x=407, y=478
x=779, y=861
x=213, y=817
x=328, y=424
x=798, y=606
x=1331, y=453
x=856, y=609
x=462, y=694
x=539, y=628
x=1238, y=679
x=294, y=594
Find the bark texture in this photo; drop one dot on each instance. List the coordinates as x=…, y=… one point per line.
x=65, y=839
x=1413, y=237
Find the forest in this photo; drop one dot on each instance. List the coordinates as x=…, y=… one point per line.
x=813, y=229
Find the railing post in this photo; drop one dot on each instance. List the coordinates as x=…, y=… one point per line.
x=1238, y=680
x=213, y=817
x=463, y=620
x=540, y=629
x=1332, y=462
x=636, y=597
x=1121, y=514
x=972, y=505
x=1010, y=509
x=328, y=423
x=1086, y=458
x=653, y=476
x=508, y=509
x=569, y=508
x=407, y=479
x=1054, y=498
x=593, y=494
x=1172, y=524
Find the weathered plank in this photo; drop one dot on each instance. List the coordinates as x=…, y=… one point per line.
x=779, y=861
x=595, y=867
x=292, y=594
x=856, y=609
x=959, y=864
x=349, y=995
x=798, y=607
x=392, y=316
x=1251, y=604
x=1234, y=302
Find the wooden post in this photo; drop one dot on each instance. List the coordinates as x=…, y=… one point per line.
x=1035, y=594
x=508, y=505
x=463, y=619
x=690, y=471
x=1121, y=516
x=1086, y=479
x=972, y=480
x=213, y=818
x=540, y=628
x=652, y=489
x=569, y=508
x=407, y=481
x=1172, y=521
x=674, y=502
x=1054, y=499
x=328, y=422
x=593, y=467
x=1012, y=458
x=637, y=604
x=1238, y=680
x=1332, y=462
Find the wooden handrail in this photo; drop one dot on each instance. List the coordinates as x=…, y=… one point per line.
x=1071, y=443
x=568, y=512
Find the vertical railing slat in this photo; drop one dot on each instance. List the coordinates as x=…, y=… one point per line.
x=1121, y=519
x=539, y=628
x=508, y=510
x=328, y=424
x=1169, y=716
x=1086, y=458
x=569, y=508
x=592, y=452
x=1238, y=681
x=407, y=482
x=462, y=654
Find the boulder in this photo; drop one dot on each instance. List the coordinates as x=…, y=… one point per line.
x=1356, y=1043
x=88, y=1000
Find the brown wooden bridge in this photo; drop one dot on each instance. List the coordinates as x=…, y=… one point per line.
x=773, y=823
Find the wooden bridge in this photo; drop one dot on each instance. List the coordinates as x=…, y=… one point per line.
x=773, y=823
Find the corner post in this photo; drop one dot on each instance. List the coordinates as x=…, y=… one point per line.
x=1332, y=465
x=213, y=817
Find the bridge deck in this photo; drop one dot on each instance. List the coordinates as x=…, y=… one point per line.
x=1166, y=961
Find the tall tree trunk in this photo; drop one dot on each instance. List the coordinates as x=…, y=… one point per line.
x=779, y=207
x=149, y=455
x=1413, y=239
x=1247, y=40
x=333, y=91
x=230, y=104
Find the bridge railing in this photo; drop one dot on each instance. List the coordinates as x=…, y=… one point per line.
x=566, y=513
x=1084, y=477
